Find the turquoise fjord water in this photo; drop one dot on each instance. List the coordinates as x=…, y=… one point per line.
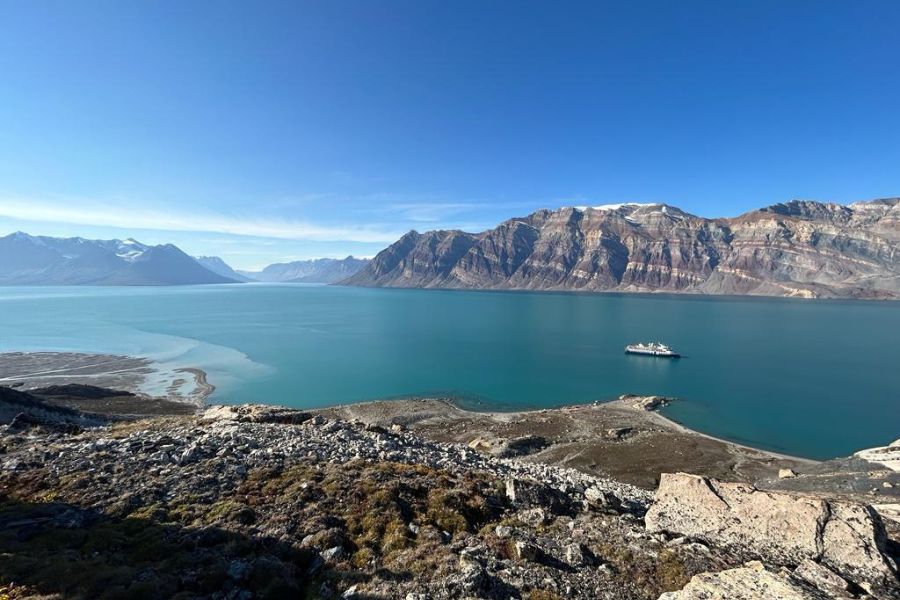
x=812, y=378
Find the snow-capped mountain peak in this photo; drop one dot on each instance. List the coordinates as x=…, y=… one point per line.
x=41, y=260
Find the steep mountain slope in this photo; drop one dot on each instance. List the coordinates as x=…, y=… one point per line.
x=39, y=260
x=800, y=248
x=220, y=267
x=320, y=270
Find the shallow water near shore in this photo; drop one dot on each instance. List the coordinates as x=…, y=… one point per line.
x=811, y=378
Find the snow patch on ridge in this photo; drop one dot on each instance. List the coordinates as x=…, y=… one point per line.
x=615, y=206
x=130, y=249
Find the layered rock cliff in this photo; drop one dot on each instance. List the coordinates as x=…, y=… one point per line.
x=799, y=248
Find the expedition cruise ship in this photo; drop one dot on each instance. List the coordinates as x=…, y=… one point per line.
x=652, y=349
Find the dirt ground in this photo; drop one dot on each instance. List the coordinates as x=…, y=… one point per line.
x=614, y=439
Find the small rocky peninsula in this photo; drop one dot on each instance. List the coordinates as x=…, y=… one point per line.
x=241, y=502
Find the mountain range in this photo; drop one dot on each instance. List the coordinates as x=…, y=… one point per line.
x=799, y=248
x=220, y=267
x=320, y=270
x=40, y=260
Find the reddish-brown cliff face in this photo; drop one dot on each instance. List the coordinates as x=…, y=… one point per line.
x=799, y=248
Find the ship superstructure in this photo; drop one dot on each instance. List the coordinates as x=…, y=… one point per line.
x=652, y=349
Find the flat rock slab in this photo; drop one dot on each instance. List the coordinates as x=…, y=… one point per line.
x=750, y=582
x=889, y=455
x=776, y=527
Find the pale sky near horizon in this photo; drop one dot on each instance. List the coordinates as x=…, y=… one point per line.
x=271, y=131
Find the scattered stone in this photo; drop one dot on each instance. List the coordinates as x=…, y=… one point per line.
x=529, y=493
x=334, y=553
x=596, y=497
x=238, y=569
x=575, y=555
x=786, y=473
x=534, y=517
x=503, y=531
x=480, y=445
x=264, y=496
x=618, y=433
x=526, y=551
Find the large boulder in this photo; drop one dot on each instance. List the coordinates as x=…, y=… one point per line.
x=888, y=456
x=750, y=582
x=778, y=528
x=254, y=413
x=853, y=542
x=823, y=578
x=526, y=494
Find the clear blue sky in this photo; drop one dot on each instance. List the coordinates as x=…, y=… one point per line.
x=265, y=131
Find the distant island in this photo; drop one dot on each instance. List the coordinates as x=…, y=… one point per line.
x=800, y=248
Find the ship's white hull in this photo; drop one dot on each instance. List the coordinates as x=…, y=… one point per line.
x=658, y=353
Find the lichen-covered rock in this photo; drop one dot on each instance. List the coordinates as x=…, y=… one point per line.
x=852, y=543
x=776, y=527
x=750, y=582
x=254, y=413
x=822, y=578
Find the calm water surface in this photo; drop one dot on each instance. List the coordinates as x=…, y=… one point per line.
x=817, y=379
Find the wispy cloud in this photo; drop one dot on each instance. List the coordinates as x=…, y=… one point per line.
x=422, y=212
x=129, y=217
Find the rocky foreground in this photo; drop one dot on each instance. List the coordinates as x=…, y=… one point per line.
x=260, y=502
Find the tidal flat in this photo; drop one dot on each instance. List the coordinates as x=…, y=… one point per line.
x=184, y=388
